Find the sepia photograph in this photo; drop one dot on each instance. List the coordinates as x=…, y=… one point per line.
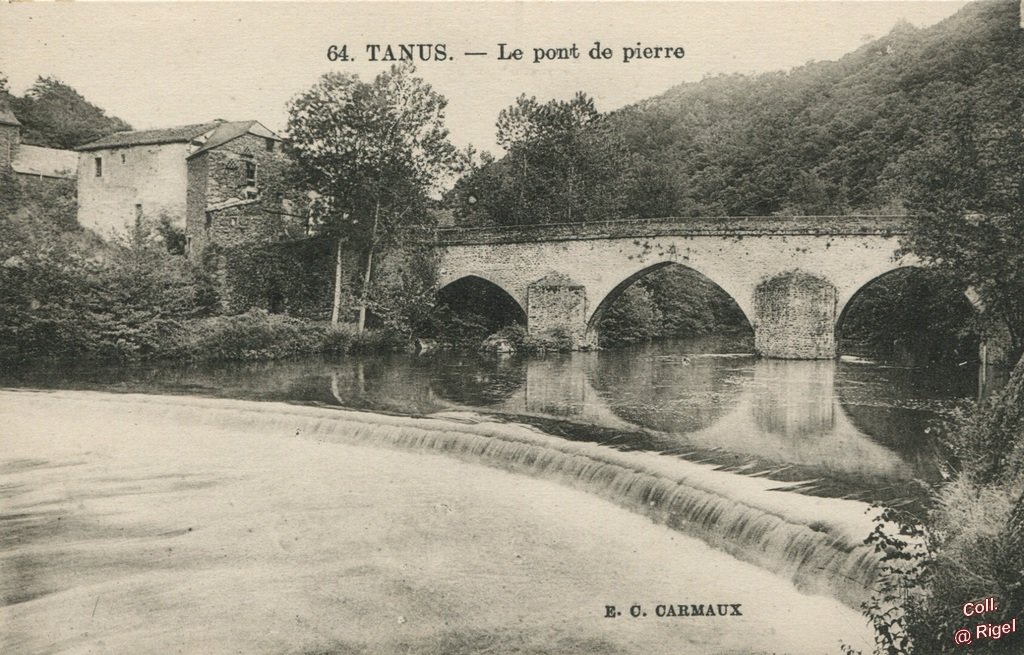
x=512, y=328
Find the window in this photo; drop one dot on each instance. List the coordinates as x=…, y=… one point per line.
x=99, y=166
x=122, y=158
x=209, y=220
x=250, y=173
x=270, y=145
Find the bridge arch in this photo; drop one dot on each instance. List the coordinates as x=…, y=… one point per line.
x=609, y=297
x=843, y=309
x=959, y=314
x=481, y=295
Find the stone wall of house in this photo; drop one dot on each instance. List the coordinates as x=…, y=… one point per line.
x=10, y=139
x=795, y=317
x=146, y=180
x=196, y=229
x=225, y=209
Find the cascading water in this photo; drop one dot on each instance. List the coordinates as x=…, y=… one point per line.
x=810, y=541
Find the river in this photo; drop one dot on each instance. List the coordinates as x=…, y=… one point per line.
x=852, y=428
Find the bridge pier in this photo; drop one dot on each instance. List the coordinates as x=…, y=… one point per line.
x=790, y=275
x=795, y=317
x=557, y=304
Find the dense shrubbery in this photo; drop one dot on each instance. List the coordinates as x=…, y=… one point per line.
x=65, y=294
x=293, y=277
x=258, y=334
x=971, y=544
x=826, y=138
x=253, y=335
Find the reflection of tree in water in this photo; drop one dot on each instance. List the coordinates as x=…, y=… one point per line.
x=392, y=383
x=656, y=389
x=895, y=406
x=469, y=379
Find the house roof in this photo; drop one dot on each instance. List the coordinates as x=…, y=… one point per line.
x=180, y=134
x=7, y=116
x=48, y=162
x=228, y=131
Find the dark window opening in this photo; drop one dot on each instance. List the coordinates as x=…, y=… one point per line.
x=99, y=166
x=270, y=145
x=250, y=173
x=122, y=158
x=209, y=220
x=276, y=302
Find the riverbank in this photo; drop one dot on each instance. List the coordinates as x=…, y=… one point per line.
x=131, y=530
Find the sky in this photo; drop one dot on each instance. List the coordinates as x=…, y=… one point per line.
x=165, y=64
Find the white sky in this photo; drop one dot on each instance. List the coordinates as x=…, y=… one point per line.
x=158, y=65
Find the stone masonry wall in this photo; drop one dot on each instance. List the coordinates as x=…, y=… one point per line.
x=557, y=303
x=10, y=139
x=147, y=180
x=224, y=209
x=736, y=226
x=795, y=317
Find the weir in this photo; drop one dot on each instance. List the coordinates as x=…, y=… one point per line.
x=814, y=542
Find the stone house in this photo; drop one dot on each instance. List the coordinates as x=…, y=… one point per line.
x=218, y=181
x=237, y=191
x=31, y=163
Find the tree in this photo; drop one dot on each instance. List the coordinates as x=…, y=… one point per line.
x=633, y=317
x=374, y=153
x=562, y=165
x=966, y=183
x=55, y=115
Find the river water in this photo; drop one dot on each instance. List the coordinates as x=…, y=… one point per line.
x=852, y=428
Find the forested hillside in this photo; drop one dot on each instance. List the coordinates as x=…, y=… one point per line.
x=54, y=115
x=829, y=137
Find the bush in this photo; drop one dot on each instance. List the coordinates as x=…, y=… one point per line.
x=971, y=544
x=557, y=340
x=515, y=334
x=338, y=339
x=65, y=295
x=255, y=334
x=377, y=341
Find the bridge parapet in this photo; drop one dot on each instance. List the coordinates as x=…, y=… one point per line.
x=722, y=226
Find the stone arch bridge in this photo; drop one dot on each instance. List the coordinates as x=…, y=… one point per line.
x=792, y=276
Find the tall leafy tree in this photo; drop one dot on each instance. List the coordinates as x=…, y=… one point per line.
x=54, y=114
x=561, y=166
x=373, y=152
x=966, y=182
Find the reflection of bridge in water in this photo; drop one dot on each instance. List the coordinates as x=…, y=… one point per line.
x=787, y=412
